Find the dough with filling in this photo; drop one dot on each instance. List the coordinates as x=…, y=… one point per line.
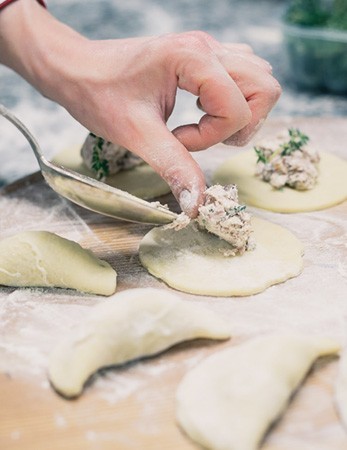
x=229, y=400
x=135, y=323
x=330, y=190
x=41, y=258
x=141, y=181
x=196, y=261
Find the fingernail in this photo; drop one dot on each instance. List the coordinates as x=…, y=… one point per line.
x=188, y=201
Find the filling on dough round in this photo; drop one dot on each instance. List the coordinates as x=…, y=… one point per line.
x=141, y=181
x=330, y=190
x=196, y=261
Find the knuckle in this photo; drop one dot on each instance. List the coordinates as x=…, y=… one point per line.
x=276, y=90
x=272, y=90
x=246, y=48
x=192, y=40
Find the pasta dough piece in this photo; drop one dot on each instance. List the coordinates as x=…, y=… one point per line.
x=229, y=400
x=194, y=261
x=41, y=258
x=141, y=181
x=136, y=323
x=330, y=189
x=341, y=389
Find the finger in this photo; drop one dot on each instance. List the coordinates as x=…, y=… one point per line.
x=228, y=51
x=238, y=47
x=260, y=62
x=260, y=90
x=242, y=50
x=226, y=108
x=155, y=144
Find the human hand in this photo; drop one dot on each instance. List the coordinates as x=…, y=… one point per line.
x=129, y=87
x=124, y=91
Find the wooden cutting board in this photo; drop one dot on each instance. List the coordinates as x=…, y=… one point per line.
x=133, y=407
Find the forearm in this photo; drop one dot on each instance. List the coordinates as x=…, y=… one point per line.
x=33, y=43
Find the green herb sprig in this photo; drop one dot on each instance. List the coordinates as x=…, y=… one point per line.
x=296, y=141
x=99, y=164
x=261, y=155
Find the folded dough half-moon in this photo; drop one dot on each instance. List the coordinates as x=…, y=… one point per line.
x=42, y=258
x=341, y=389
x=135, y=323
x=228, y=401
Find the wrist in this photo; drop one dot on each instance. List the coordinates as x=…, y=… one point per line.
x=36, y=45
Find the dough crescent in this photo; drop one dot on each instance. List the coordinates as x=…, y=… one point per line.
x=341, y=390
x=192, y=261
x=41, y=258
x=141, y=181
x=330, y=190
x=135, y=323
x=229, y=400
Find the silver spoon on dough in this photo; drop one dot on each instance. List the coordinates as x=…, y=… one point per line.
x=93, y=194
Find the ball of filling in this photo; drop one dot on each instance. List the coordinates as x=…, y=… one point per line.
x=105, y=158
x=288, y=161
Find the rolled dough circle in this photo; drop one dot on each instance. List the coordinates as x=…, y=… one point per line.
x=141, y=181
x=330, y=190
x=192, y=261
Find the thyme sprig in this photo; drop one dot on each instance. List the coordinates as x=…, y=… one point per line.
x=99, y=165
x=296, y=141
x=261, y=155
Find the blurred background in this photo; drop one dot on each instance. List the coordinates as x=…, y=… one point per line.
x=255, y=22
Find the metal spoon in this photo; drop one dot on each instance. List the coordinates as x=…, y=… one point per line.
x=93, y=194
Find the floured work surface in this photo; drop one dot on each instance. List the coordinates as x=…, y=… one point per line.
x=132, y=407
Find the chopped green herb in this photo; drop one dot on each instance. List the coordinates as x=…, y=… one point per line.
x=99, y=164
x=261, y=156
x=236, y=210
x=296, y=142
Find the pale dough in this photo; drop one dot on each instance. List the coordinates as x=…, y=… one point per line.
x=135, y=323
x=330, y=190
x=341, y=389
x=193, y=261
x=141, y=181
x=230, y=400
x=41, y=258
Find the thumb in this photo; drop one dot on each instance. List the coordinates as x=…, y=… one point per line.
x=155, y=144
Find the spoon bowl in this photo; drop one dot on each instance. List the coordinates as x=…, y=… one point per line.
x=93, y=194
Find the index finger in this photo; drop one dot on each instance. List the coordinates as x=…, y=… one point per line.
x=226, y=108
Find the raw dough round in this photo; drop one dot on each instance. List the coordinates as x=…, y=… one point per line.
x=330, y=190
x=140, y=181
x=192, y=261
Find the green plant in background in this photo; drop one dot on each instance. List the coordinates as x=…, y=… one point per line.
x=306, y=12
x=338, y=16
x=318, y=13
x=315, y=38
